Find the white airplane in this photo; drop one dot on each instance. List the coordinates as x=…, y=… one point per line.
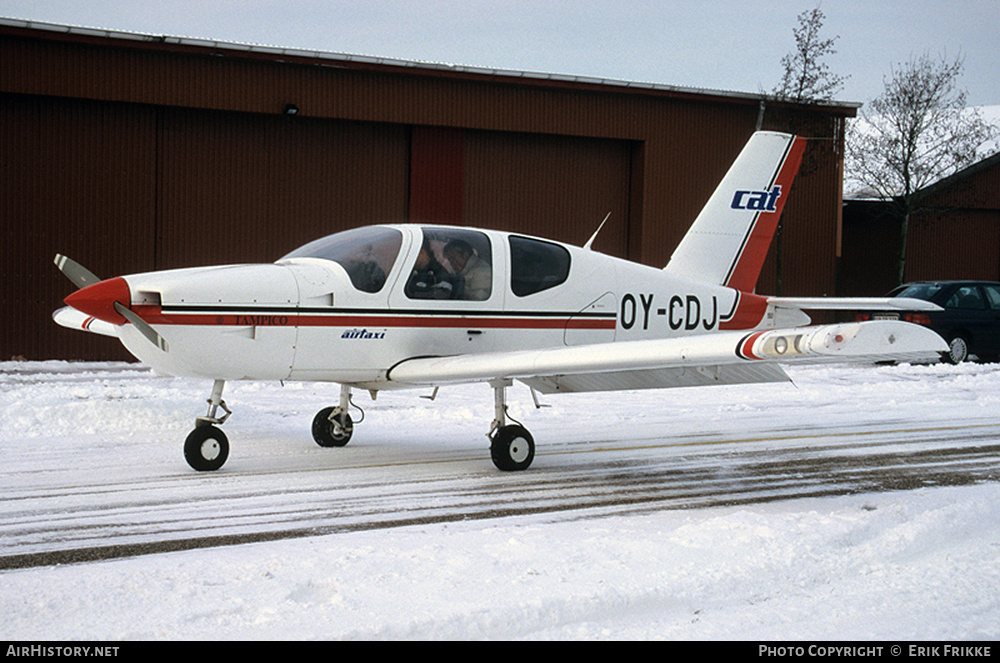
x=404, y=306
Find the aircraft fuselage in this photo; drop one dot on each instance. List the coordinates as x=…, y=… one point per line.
x=307, y=318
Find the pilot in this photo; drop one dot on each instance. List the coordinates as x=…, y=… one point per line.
x=476, y=276
x=429, y=280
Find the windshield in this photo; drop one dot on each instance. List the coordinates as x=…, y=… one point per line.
x=367, y=254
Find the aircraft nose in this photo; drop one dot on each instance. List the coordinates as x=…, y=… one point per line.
x=98, y=300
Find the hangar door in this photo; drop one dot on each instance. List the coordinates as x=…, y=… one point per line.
x=559, y=187
x=241, y=187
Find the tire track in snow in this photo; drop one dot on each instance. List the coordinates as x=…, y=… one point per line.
x=86, y=520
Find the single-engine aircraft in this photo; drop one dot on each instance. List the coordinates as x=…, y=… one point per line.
x=404, y=306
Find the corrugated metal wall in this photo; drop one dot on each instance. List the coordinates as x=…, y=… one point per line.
x=958, y=245
x=954, y=234
x=74, y=178
x=134, y=155
x=126, y=188
x=561, y=186
x=963, y=216
x=251, y=187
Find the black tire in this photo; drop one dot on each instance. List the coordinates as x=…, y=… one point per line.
x=958, y=350
x=328, y=435
x=512, y=448
x=206, y=448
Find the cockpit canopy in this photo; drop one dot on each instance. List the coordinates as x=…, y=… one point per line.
x=451, y=263
x=366, y=254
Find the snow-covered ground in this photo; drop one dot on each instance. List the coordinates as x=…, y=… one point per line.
x=917, y=564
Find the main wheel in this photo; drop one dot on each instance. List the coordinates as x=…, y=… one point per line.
x=328, y=433
x=958, y=350
x=512, y=448
x=206, y=448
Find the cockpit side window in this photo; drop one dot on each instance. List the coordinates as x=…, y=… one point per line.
x=367, y=254
x=452, y=263
x=536, y=265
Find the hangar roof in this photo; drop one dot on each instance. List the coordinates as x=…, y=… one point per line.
x=365, y=62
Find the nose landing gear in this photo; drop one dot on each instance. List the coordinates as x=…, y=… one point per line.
x=207, y=447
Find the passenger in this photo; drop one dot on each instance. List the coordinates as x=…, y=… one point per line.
x=429, y=280
x=475, y=274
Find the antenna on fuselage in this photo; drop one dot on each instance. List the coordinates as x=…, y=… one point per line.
x=594, y=236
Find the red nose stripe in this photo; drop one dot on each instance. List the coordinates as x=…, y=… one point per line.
x=99, y=300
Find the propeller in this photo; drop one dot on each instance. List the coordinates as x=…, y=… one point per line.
x=99, y=298
x=75, y=272
x=144, y=327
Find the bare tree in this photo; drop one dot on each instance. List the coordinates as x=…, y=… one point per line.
x=917, y=132
x=806, y=77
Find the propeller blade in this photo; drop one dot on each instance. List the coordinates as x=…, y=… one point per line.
x=143, y=326
x=75, y=272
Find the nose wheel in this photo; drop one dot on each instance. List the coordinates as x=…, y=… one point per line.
x=207, y=447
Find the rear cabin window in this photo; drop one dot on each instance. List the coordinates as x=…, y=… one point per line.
x=967, y=297
x=367, y=254
x=993, y=295
x=536, y=265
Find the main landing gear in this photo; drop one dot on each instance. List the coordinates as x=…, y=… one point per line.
x=332, y=426
x=512, y=448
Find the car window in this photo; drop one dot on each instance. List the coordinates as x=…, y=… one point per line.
x=367, y=254
x=993, y=295
x=536, y=265
x=966, y=297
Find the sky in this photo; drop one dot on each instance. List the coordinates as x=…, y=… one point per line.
x=734, y=45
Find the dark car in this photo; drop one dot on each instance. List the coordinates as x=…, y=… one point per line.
x=970, y=321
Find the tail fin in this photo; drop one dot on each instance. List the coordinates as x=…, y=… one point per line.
x=728, y=241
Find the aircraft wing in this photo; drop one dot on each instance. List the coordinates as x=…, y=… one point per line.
x=738, y=357
x=855, y=303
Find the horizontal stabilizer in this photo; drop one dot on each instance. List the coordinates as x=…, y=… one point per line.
x=854, y=303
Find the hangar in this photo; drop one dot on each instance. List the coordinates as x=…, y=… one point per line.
x=133, y=152
x=954, y=233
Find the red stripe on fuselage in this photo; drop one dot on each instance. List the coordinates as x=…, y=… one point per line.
x=749, y=313
x=154, y=315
